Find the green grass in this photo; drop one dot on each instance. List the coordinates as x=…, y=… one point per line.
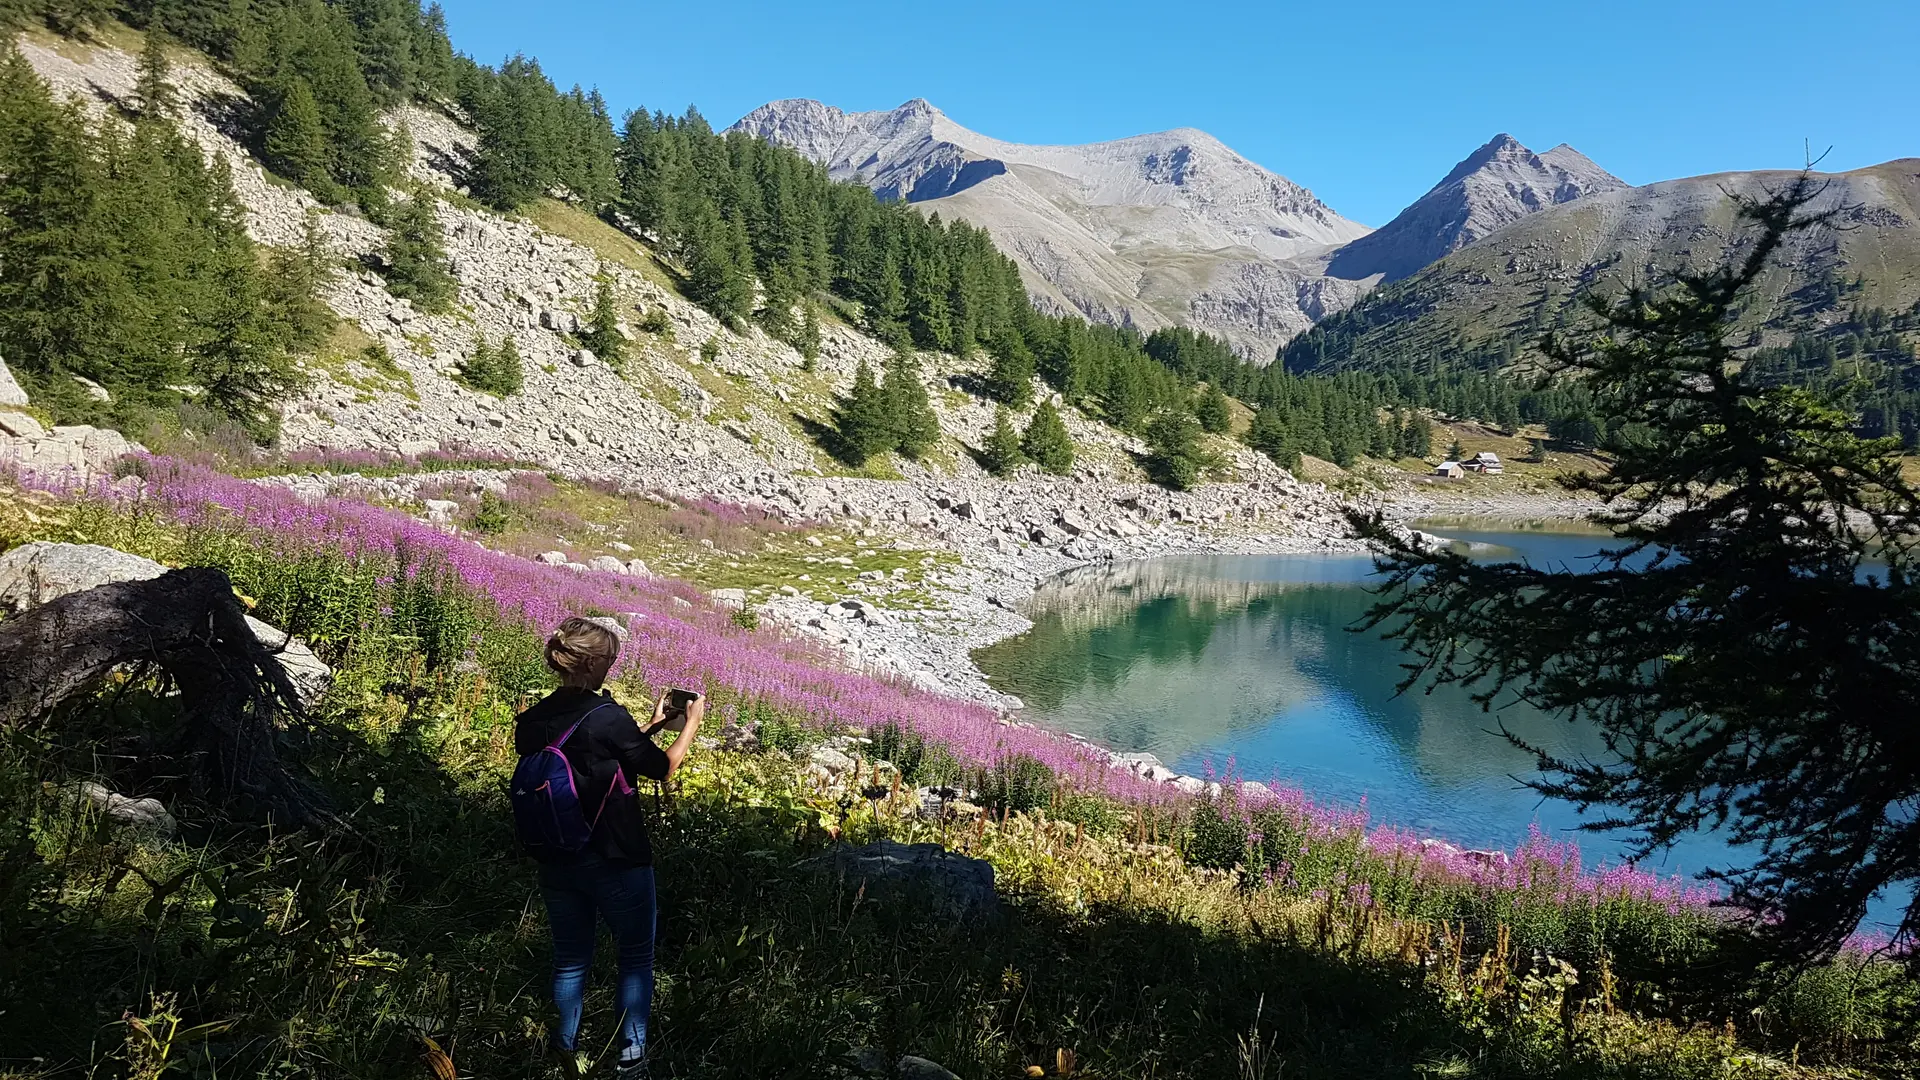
x=1128, y=946
x=575, y=224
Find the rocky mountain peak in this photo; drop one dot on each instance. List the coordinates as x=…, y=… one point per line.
x=1498, y=183
x=1149, y=230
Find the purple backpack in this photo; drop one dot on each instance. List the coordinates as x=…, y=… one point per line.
x=548, y=816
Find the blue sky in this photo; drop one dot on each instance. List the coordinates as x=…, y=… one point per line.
x=1367, y=103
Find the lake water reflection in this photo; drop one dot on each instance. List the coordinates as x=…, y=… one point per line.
x=1204, y=659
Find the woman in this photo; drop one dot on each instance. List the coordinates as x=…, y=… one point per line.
x=613, y=875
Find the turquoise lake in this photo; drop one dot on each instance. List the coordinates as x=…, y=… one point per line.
x=1207, y=660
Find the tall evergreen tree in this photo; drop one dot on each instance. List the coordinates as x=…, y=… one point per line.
x=807, y=339
x=1010, y=379
x=915, y=426
x=1212, y=411
x=602, y=333
x=296, y=279
x=296, y=141
x=1176, y=457
x=1268, y=434
x=153, y=93
x=416, y=258
x=1046, y=442
x=863, y=423
x=1001, y=452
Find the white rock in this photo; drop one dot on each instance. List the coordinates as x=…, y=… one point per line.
x=11, y=392
x=551, y=558
x=730, y=598
x=20, y=425
x=145, y=816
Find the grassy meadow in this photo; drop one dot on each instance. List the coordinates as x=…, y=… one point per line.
x=1141, y=934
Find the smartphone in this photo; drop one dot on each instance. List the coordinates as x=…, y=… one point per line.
x=675, y=718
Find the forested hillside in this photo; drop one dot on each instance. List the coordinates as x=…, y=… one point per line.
x=753, y=232
x=1843, y=301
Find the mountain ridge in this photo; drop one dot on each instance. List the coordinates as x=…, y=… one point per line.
x=1491, y=300
x=1173, y=227
x=1142, y=231
x=1501, y=182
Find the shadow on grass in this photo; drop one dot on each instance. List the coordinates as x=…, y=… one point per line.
x=338, y=953
x=828, y=438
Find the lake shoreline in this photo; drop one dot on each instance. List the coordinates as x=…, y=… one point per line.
x=985, y=602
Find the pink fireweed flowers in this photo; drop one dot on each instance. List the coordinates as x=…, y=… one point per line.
x=677, y=637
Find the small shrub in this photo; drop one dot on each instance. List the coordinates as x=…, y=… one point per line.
x=655, y=321
x=492, y=516
x=710, y=350
x=1017, y=782
x=775, y=729
x=490, y=370
x=1215, y=838
x=745, y=618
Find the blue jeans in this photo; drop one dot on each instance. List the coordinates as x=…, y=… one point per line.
x=623, y=895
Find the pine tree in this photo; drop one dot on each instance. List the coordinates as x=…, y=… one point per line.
x=1269, y=435
x=1010, y=379
x=296, y=141
x=1213, y=412
x=863, y=424
x=1455, y=451
x=509, y=371
x=717, y=280
x=1001, y=453
x=1046, y=442
x=238, y=353
x=1175, y=456
x=153, y=94
x=297, y=277
x=916, y=427
x=416, y=261
x=1744, y=646
x=1417, y=436
x=602, y=333
x=491, y=370
x=807, y=340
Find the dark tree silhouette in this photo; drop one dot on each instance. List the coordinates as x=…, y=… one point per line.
x=1750, y=649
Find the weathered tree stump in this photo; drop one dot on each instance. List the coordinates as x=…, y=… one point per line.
x=188, y=625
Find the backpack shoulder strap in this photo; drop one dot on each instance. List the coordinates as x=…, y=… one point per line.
x=568, y=734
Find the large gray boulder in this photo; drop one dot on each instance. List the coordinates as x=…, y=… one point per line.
x=41, y=572
x=958, y=886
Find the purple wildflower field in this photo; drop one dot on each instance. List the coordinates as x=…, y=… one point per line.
x=678, y=637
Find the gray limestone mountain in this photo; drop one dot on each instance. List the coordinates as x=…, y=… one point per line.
x=1172, y=228
x=1499, y=183
x=1154, y=230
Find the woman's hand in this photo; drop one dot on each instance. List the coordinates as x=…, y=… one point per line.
x=683, y=744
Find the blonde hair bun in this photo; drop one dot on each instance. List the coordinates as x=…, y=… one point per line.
x=583, y=647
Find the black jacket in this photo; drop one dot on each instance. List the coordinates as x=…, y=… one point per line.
x=608, y=742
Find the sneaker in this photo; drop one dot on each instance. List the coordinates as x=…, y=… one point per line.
x=632, y=1070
